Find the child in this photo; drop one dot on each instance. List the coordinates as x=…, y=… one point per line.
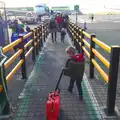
x=75, y=66
x=28, y=29
x=63, y=33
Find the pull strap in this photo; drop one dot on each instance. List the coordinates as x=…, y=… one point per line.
x=59, y=81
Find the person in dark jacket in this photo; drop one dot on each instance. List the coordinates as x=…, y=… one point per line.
x=53, y=28
x=64, y=23
x=28, y=29
x=59, y=21
x=74, y=68
x=63, y=33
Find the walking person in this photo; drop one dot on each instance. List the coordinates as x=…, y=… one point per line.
x=74, y=68
x=63, y=33
x=53, y=28
x=92, y=17
x=59, y=21
x=64, y=22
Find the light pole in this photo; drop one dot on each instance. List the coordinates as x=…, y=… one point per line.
x=4, y=8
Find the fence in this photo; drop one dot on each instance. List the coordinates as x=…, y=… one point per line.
x=79, y=38
x=37, y=37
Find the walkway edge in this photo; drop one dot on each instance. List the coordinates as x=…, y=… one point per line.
x=92, y=97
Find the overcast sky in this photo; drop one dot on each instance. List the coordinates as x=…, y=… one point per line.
x=94, y=5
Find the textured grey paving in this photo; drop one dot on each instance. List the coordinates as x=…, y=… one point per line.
x=99, y=88
x=16, y=84
x=43, y=80
x=107, y=32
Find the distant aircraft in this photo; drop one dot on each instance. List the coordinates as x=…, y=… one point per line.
x=41, y=10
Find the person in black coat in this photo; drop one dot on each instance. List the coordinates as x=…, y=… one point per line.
x=74, y=68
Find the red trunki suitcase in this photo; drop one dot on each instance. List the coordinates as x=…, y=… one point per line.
x=53, y=103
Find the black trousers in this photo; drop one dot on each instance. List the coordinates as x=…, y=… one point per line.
x=62, y=38
x=78, y=84
x=54, y=35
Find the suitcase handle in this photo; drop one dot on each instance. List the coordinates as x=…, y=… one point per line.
x=58, y=90
x=59, y=81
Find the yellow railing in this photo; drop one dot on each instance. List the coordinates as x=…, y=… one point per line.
x=77, y=36
x=11, y=46
x=31, y=46
x=103, y=45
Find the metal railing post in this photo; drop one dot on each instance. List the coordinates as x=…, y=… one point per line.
x=46, y=29
x=4, y=102
x=33, y=51
x=22, y=56
x=79, y=47
x=68, y=29
x=92, y=56
x=77, y=38
x=113, y=75
x=41, y=40
x=38, y=37
x=44, y=32
x=72, y=34
x=36, y=42
x=85, y=26
x=81, y=40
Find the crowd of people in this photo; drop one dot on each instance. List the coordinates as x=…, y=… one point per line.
x=58, y=23
x=18, y=28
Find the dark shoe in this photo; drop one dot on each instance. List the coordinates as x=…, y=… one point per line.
x=69, y=90
x=80, y=98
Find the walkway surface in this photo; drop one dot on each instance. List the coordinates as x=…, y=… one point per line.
x=43, y=79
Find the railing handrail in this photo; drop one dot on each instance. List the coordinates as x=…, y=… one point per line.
x=98, y=42
x=35, y=43
x=110, y=78
x=103, y=45
x=10, y=46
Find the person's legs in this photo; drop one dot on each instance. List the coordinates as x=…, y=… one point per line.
x=61, y=38
x=70, y=88
x=79, y=87
x=55, y=35
x=52, y=37
x=59, y=27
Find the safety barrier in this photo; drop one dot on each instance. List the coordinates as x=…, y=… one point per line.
x=35, y=44
x=79, y=36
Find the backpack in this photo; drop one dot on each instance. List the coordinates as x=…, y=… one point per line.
x=52, y=24
x=64, y=23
